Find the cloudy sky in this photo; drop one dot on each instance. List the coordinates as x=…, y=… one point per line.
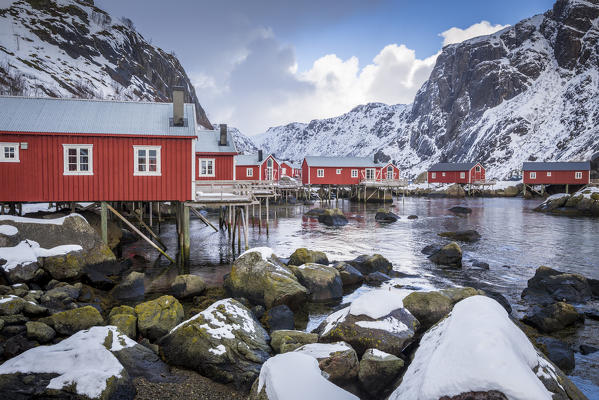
x=262, y=63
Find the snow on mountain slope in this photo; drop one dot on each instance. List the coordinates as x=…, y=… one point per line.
x=528, y=92
x=243, y=143
x=71, y=48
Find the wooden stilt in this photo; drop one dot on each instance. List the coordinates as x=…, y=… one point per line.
x=238, y=230
x=202, y=218
x=267, y=216
x=245, y=231
x=151, y=215
x=186, y=234
x=104, y=221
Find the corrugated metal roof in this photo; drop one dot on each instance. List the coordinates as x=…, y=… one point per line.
x=320, y=161
x=208, y=142
x=557, y=166
x=466, y=166
x=249, y=159
x=50, y=115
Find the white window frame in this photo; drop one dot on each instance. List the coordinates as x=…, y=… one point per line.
x=477, y=169
x=207, y=161
x=578, y=175
x=283, y=171
x=442, y=173
x=320, y=173
x=354, y=173
x=462, y=175
x=16, y=147
x=249, y=172
x=433, y=175
x=548, y=173
x=78, y=147
x=136, y=171
x=532, y=175
x=390, y=168
x=338, y=171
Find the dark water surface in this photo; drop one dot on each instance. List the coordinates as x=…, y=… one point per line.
x=515, y=241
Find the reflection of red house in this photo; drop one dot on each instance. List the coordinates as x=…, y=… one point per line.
x=345, y=170
x=57, y=150
x=470, y=172
x=254, y=167
x=215, y=152
x=291, y=170
x=556, y=173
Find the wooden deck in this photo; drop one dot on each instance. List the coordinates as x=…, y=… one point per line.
x=223, y=193
x=384, y=183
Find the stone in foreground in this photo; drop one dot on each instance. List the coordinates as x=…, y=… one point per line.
x=332, y=217
x=378, y=370
x=337, y=360
x=305, y=256
x=156, y=318
x=449, y=256
x=322, y=281
x=285, y=340
x=549, y=285
x=553, y=318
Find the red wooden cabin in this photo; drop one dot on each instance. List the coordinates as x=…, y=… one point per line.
x=556, y=173
x=290, y=169
x=58, y=150
x=255, y=167
x=318, y=170
x=390, y=171
x=469, y=172
x=215, y=155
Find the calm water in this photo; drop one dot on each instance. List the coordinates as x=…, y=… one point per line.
x=515, y=241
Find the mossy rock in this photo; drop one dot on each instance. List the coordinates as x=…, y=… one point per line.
x=156, y=318
x=283, y=341
x=126, y=323
x=127, y=310
x=305, y=256
x=68, y=322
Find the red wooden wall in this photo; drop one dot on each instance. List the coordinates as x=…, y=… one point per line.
x=454, y=176
x=556, y=178
x=223, y=166
x=241, y=171
x=38, y=177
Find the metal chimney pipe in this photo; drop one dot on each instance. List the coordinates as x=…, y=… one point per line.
x=260, y=155
x=223, y=135
x=178, y=103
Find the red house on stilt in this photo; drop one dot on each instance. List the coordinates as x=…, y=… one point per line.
x=469, y=172
x=290, y=169
x=556, y=173
x=255, y=167
x=318, y=170
x=215, y=155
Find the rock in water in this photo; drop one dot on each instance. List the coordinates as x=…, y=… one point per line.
x=376, y=279
x=131, y=287
x=549, y=285
x=461, y=210
x=338, y=360
x=449, y=256
x=286, y=376
x=258, y=276
x=383, y=215
x=305, y=256
x=469, y=236
x=461, y=355
x=279, y=317
x=323, y=282
x=349, y=274
x=369, y=264
x=187, y=286
x=376, y=319
x=553, y=318
x=332, y=217
x=431, y=249
x=285, y=340
x=156, y=318
x=224, y=342
x=378, y=370
x=83, y=366
x=558, y=352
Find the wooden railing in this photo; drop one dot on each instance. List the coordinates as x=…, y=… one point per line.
x=223, y=190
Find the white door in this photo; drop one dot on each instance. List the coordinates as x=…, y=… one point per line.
x=269, y=169
x=370, y=173
x=389, y=172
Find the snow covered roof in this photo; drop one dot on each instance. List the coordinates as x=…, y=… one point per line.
x=51, y=115
x=320, y=161
x=291, y=164
x=465, y=166
x=556, y=166
x=208, y=142
x=250, y=159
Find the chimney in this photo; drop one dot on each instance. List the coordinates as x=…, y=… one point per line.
x=178, y=102
x=260, y=155
x=223, y=135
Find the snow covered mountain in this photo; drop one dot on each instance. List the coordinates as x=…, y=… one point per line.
x=71, y=48
x=528, y=92
x=243, y=143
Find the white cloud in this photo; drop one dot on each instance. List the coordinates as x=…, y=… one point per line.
x=458, y=35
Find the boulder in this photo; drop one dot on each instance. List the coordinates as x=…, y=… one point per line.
x=125, y=323
x=585, y=349
x=549, y=285
x=294, y=376
x=337, y=360
x=558, y=352
x=369, y=264
x=378, y=370
x=40, y=332
x=305, y=256
x=187, y=286
x=105, y=275
x=322, y=281
x=449, y=256
x=258, y=276
x=71, y=321
x=285, y=340
x=11, y=304
x=62, y=296
x=224, y=342
x=30, y=272
x=87, y=365
x=114, y=231
x=376, y=278
x=460, y=210
x=131, y=287
x=376, y=319
x=459, y=358
x=383, y=215
x=332, y=217
x=430, y=307
x=553, y=202
x=553, y=317
x=156, y=318
x=431, y=249
x=315, y=212
x=469, y=236
x=480, y=264
x=278, y=317
x=350, y=275
x=456, y=190
x=412, y=216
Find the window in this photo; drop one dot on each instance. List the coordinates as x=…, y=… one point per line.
x=443, y=173
x=338, y=171
x=207, y=167
x=533, y=175
x=578, y=175
x=249, y=172
x=147, y=160
x=477, y=168
x=390, y=172
x=284, y=171
x=354, y=173
x=9, y=152
x=320, y=173
x=78, y=159
x=434, y=175
x=548, y=173
x=462, y=175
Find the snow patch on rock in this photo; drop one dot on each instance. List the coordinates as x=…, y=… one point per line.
x=28, y=251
